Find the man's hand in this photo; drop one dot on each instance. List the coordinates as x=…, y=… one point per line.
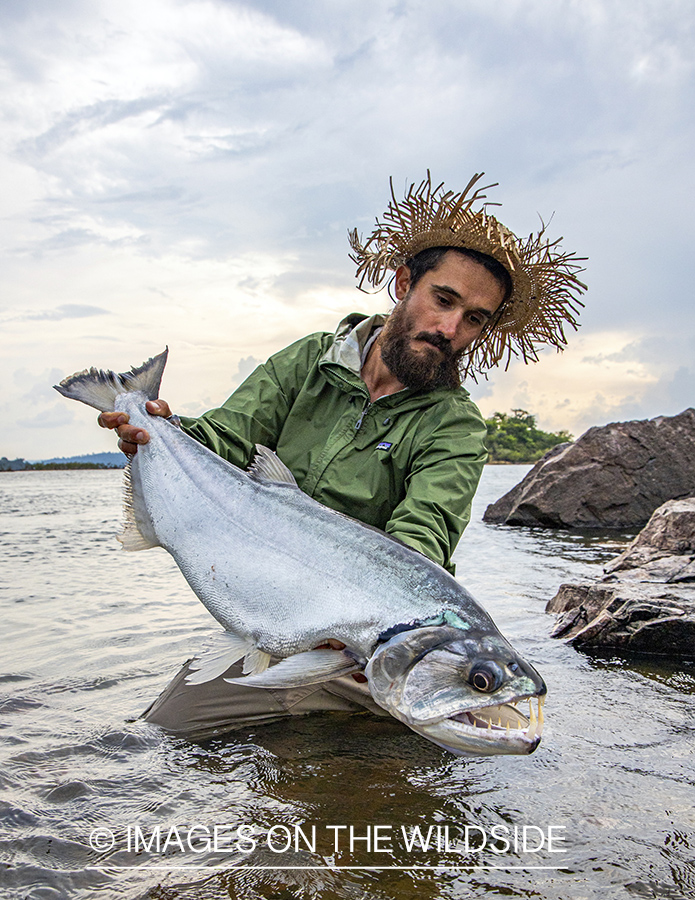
x=131, y=435
x=333, y=644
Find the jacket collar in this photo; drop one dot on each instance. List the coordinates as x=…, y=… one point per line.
x=351, y=337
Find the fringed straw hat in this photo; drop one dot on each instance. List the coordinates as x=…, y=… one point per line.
x=546, y=291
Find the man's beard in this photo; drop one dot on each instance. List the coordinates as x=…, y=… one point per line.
x=422, y=370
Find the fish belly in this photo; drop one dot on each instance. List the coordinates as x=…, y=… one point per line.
x=267, y=561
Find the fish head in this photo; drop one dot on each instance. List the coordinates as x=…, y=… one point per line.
x=459, y=688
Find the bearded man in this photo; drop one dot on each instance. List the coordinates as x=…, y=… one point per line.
x=373, y=421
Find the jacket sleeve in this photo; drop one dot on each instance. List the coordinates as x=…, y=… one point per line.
x=256, y=411
x=448, y=459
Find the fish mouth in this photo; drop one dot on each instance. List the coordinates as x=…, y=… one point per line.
x=503, y=724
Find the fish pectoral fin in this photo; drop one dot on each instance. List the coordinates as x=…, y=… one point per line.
x=310, y=667
x=221, y=651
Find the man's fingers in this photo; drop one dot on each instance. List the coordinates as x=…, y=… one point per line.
x=331, y=644
x=131, y=434
x=130, y=437
x=127, y=447
x=117, y=419
x=112, y=419
x=158, y=408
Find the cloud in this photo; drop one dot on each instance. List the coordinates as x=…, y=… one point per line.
x=94, y=117
x=192, y=167
x=246, y=365
x=64, y=311
x=55, y=417
x=36, y=389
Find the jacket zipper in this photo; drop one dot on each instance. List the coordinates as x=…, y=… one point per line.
x=358, y=423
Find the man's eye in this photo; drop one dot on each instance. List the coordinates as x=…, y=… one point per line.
x=445, y=301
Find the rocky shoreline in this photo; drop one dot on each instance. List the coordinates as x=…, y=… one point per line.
x=645, y=602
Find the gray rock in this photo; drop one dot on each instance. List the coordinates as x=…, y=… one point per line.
x=669, y=535
x=637, y=618
x=613, y=476
x=646, y=600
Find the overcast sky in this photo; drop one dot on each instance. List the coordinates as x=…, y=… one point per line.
x=185, y=173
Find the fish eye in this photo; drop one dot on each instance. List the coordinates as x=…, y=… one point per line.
x=486, y=677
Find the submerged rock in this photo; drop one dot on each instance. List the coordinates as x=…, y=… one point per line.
x=613, y=476
x=645, y=602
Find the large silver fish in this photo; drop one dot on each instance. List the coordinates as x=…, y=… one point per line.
x=284, y=574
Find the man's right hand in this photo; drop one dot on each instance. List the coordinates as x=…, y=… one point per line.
x=132, y=435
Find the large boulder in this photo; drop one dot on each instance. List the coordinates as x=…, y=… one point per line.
x=614, y=476
x=645, y=602
x=664, y=550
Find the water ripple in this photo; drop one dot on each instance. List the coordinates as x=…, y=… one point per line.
x=85, y=657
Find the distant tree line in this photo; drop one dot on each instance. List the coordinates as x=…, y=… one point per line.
x=514, y=438
x=511, y=438
x=21, y=465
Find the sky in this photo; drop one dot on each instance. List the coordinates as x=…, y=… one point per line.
x=184, y=173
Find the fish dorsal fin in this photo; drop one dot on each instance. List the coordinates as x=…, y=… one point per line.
x=267, y=466
x=219, y=653
x=309, y=667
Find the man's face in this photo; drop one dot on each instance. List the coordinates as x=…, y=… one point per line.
x=437, y=320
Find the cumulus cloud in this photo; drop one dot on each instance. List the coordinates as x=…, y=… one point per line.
x=246, y=366
x=191, y=167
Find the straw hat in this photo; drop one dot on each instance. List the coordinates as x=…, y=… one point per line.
x=546, y=291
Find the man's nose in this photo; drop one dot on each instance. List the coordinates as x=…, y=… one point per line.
x=448, y=324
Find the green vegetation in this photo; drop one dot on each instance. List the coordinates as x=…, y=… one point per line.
x=21, y=465
x=514, y=438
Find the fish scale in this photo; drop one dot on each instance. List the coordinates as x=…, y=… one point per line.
x=283, y=574
x=313, y=561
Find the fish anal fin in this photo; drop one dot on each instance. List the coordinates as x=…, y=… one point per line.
x=137, y=533
x=310, y=667
x=220, y=652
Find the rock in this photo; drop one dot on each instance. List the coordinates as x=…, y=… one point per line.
x=637, y=618
x=646, y=600
x=670, y=533
x=613, y=476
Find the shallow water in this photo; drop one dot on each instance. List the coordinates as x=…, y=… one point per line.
x=91, y=635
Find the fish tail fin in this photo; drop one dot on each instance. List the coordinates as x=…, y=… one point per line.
x=99, y=388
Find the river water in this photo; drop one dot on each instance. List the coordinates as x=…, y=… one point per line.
x=96, y=804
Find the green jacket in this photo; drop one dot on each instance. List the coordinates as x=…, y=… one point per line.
x=409, y=463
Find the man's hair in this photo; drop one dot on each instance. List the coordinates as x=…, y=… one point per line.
x=429, y=259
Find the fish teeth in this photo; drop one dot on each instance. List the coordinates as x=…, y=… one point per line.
x=533, y=722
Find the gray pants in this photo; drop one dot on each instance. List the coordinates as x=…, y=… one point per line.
x=201, y=711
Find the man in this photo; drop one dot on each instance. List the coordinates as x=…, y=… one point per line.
x=373, y=421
